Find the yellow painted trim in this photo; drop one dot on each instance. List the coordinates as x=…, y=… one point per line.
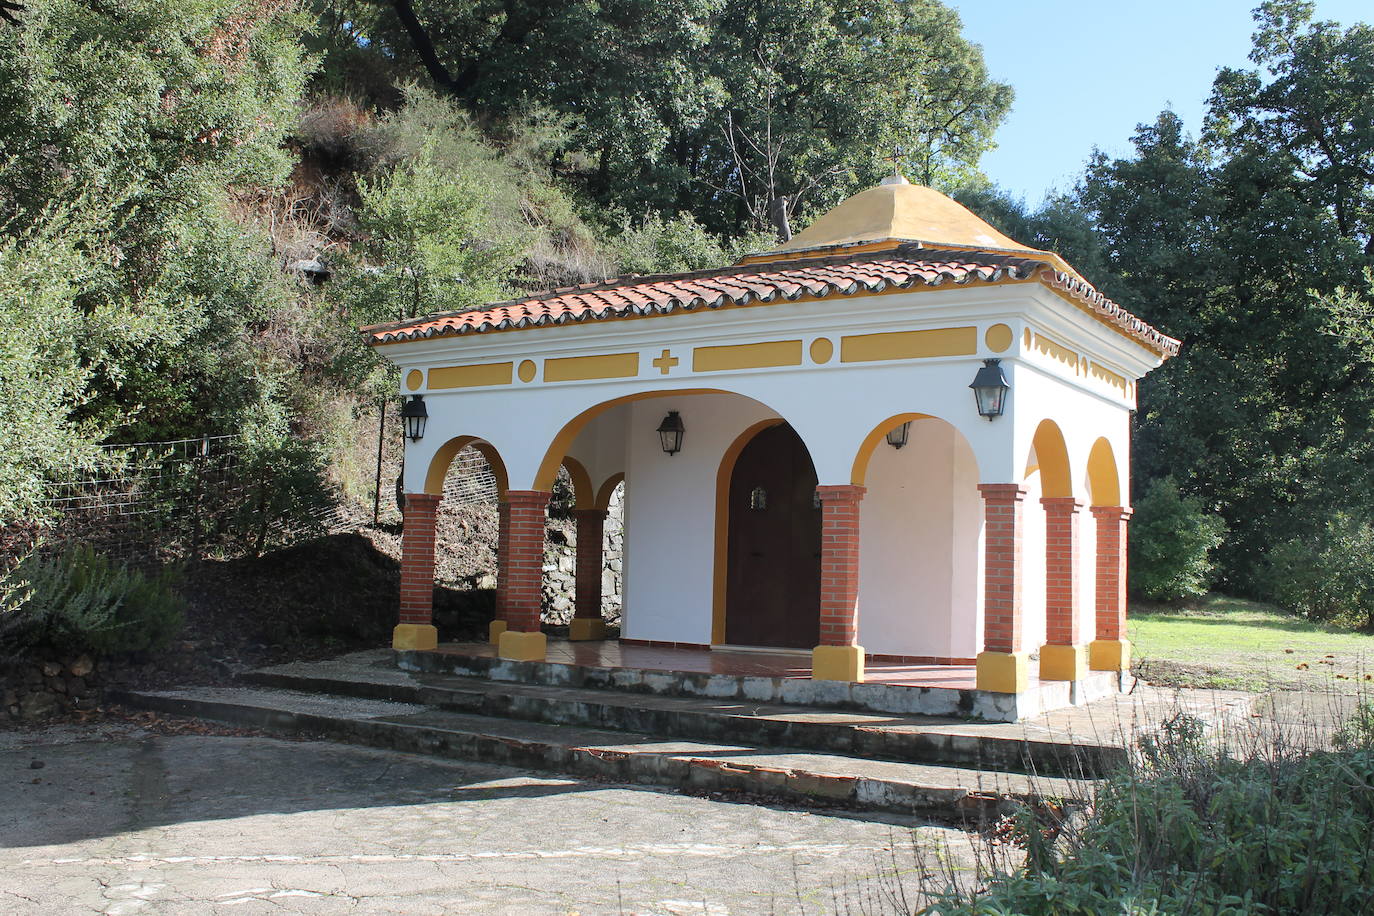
x=1026, y=339
x=518, y=646
x=438, y=465
x=471, y=376
x=838, y=663
x=420, y=636
x=415, y=380
x=1103, y=374
x=859, y=470
x=822, y=349
x=998, y=338
x=1056, y=351
x=722, y=545
x=1003, y=672
x=585, y=368
x=867, y=348
x=1109, y=655
x=747, y=356
x=582, y=629
x=495, y=630
x=527, y=370
x=1063, y=663
x=1104, y=484
x=553, y=456
x=1052, y=460
x=607, y=490
x=583, y=495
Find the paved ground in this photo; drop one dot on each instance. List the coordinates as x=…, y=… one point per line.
x=119, y=820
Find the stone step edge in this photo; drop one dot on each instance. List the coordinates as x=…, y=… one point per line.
x=1004, y=754
x=671, y=772
x=870, y=696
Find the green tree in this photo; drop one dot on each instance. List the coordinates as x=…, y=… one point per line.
x=1222, y=241
x=1172, y=537
x=730, y=112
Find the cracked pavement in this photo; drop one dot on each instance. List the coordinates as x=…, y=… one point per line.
x=118, y=820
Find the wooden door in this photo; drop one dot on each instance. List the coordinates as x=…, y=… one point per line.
x=773, y=577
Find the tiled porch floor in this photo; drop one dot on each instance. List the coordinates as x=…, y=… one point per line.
x=611, y=654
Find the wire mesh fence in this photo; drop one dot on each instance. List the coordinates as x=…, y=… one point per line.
x=145, y=498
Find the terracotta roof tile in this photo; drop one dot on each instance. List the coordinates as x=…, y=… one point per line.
x=770, y=281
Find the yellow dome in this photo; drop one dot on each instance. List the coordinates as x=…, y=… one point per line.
x=895, y=212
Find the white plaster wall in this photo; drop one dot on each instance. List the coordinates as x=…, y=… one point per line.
x=1033, y=621
x=920, y=546
x=1087, y=576
x=670, y=514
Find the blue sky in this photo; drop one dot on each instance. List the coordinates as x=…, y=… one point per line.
x=1086, y=72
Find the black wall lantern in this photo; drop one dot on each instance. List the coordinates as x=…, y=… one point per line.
x=897, y=435
x=414, y=413
x=670, y=433
x=990, y=389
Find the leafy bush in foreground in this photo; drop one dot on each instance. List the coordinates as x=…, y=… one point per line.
x=1197, y=831
x=82, y=600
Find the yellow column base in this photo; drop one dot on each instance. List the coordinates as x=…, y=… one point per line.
x=582, y=628
x=414, y=636
x=1063, y=663
x=837, y=663
x=495, y=630
x=1109, y=655
x=522, y=647
x=1003, y=672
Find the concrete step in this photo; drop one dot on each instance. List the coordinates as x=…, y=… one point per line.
x=910, y=739
x=626, y=757
x=875, y=696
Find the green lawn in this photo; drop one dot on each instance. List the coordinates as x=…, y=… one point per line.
x=1227, y=643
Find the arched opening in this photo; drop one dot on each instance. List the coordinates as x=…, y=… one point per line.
x=859, y=473
x=920, y=542
x=583, y=494
x=1104, y=482
x=672, y=534
x=558, y=448
x=469, y=477
x=773, y=540
x=1050, y=457
x=443, y=458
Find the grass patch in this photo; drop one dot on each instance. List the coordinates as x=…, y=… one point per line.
x=1230, y=644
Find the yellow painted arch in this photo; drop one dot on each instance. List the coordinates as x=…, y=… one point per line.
x=722, y=551
x=438, y=465
x=553, y=458
x=584, y=497
x=1052, y=460
x=859, y=471
x=1104, y=483
x=603, y=495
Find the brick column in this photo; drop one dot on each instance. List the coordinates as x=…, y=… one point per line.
x=524, y=556
x=415, y=630
x=1063, y=657
x=498, y=623
x=839, y=657
x=1002, y=665
x=1111, y=651
x=591, y=529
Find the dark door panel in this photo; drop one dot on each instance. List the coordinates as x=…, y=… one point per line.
x=773, y=577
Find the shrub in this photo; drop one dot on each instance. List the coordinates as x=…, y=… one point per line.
x=1328, y=576
x=1172, y=537
x=1196, y=830
x=82, y=600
